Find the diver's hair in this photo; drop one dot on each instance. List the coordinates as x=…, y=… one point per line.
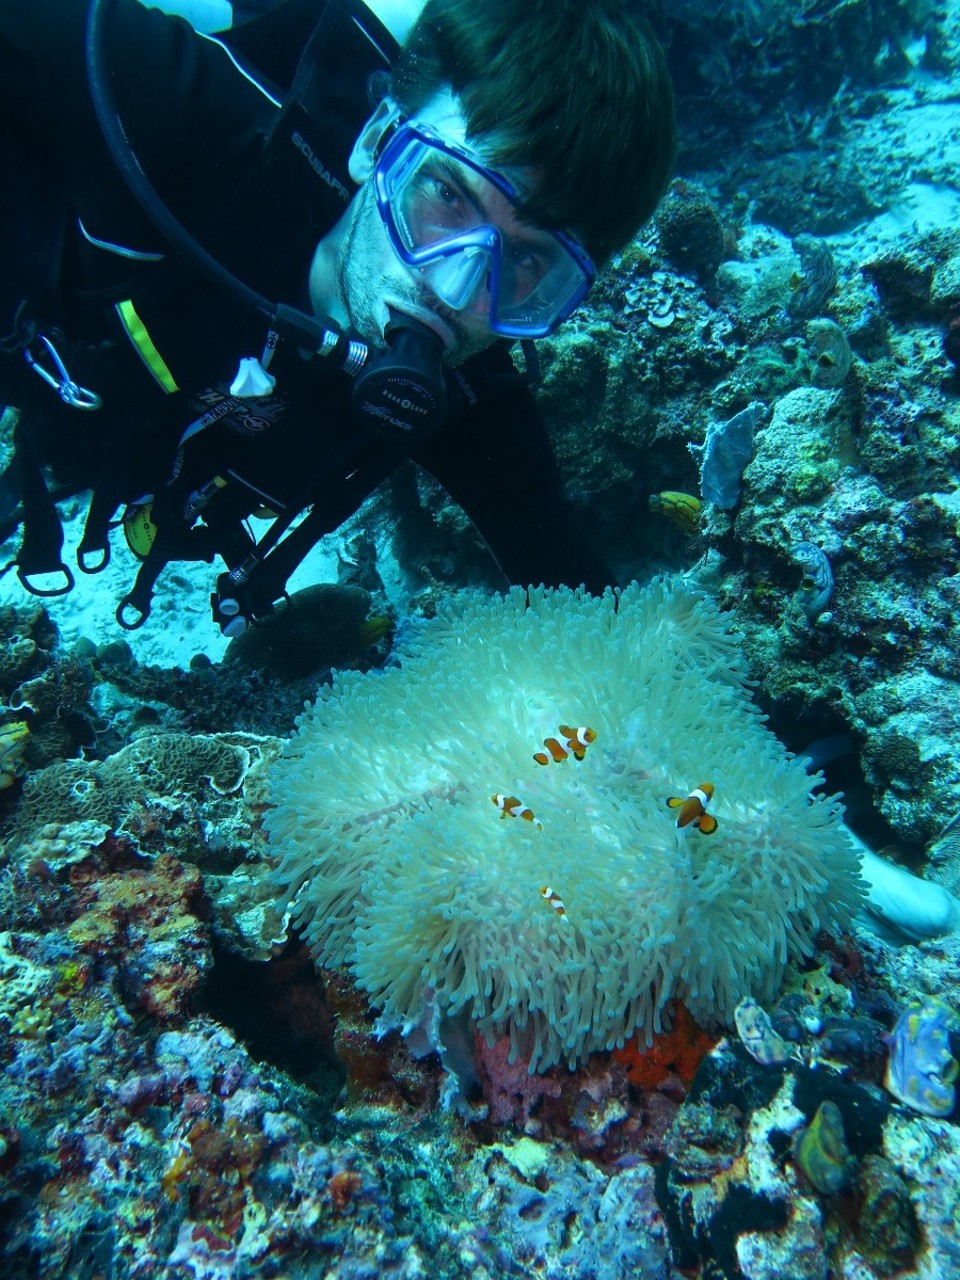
x=574, y=91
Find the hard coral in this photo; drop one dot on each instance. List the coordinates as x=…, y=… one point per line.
x=821, y=1151
x=691, y=234
x=26, y=637
x=922, y=1070
x=397, y=865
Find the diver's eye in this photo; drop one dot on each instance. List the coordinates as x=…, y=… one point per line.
x=523, y=258
x=442, y=193
x=525, y=267
x=437, y=204
x=446, y=194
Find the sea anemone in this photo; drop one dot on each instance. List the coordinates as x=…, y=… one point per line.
x=395, y=863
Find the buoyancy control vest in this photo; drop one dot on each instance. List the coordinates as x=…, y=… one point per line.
x=324, y=95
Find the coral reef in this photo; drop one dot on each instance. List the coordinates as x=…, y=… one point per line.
x=136, y=1134
x=830, y=350
x=365, y=827
x=180, y=1095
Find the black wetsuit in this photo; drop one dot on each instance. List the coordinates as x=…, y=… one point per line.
x=76, y=244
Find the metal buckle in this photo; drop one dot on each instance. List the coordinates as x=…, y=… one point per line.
x=70, y=392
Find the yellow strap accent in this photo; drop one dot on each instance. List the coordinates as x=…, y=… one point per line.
x=151, y=357
x=139, y=529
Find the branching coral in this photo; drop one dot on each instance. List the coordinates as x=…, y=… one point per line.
x=399, y=867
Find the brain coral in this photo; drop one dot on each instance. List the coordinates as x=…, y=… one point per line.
x=398, y=865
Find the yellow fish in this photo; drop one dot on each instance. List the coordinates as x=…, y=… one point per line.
x=13, y=740
x=683, y=510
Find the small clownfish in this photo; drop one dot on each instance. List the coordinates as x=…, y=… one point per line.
x=512, y=807
x=577, y=741
x=693, y=810
x=551, y=896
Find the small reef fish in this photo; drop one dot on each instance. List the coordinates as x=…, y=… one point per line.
x=13, y=740
x=512, y=807
x=577, y=741
x=683, y=510
x=692, y=811
x=551, y=896
x=373, y=630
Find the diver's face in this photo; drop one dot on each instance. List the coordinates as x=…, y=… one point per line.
x=372, y=282
x=370, y=279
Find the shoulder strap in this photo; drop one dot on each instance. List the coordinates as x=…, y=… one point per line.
x=287, y=40
x=330, y=97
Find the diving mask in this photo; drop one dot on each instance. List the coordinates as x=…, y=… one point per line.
x=442, y=208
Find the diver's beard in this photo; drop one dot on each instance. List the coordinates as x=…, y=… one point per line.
x=364, y=326
x=363, y=304
x=469, y=342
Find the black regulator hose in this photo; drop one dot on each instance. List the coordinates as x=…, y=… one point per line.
x=403, y=393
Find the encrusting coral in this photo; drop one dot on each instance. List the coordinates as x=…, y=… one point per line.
x=396, y=864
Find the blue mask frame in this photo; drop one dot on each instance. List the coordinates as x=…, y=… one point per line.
x=409, y=138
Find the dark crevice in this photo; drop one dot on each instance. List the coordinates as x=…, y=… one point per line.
x=278, y=1009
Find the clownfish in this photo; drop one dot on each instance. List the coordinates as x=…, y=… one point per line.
x=577, y=741
x=551, y=896
x=693, y=810
x=512, y=807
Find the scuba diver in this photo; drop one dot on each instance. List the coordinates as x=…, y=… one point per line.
x=257, y=270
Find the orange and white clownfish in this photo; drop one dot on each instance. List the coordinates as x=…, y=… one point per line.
x=693, y=810
x=512, y=807
x=551, y=896
x=577, y=741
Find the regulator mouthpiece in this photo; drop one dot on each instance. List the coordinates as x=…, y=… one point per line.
x=402, y=393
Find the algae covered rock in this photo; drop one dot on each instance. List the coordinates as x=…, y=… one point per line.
x=317, y=628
